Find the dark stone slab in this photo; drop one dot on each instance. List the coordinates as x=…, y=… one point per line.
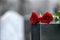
x=35, y=32
x=50, y=31
x=45, y=32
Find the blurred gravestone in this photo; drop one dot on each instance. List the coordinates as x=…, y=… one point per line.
x=12, y=26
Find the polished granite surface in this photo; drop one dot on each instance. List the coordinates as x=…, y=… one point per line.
x=47, y=32
x=50, y=31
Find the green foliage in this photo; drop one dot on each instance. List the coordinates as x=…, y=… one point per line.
x=56, y=19
x=58, y=13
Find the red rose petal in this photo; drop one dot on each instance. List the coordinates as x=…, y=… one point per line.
x=34, y=18
x=47, y=18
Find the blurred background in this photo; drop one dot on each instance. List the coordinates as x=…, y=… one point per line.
x=21, y=10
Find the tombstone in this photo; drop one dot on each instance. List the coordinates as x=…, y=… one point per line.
x=45, y=31
x=50, y=31
x=35, y=32
x=12, y=26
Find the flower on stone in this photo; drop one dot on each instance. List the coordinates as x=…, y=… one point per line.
x=47, y=18
x=35, y=18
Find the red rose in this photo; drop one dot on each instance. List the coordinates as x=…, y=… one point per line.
x=47, y=18
x=34, y=18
